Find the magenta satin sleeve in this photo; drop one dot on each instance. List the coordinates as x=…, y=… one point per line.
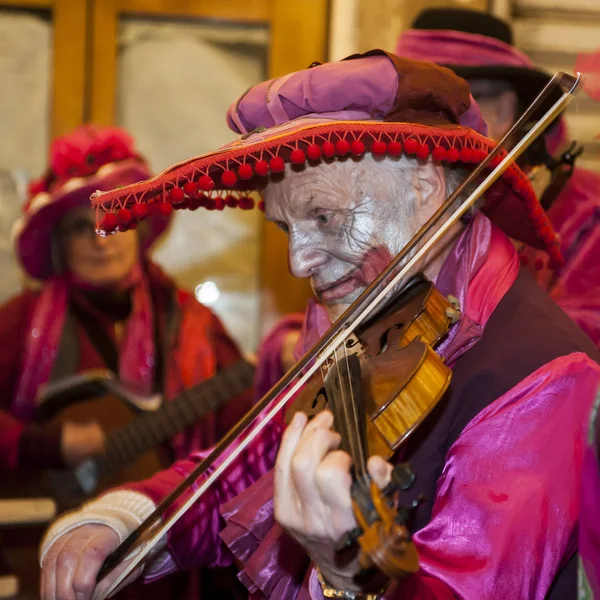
x=194, y=540
x=507, y=502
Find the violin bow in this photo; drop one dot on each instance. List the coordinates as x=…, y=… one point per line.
x=144, y=539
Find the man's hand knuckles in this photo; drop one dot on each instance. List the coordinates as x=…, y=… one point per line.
x=67, y=558
x=302, y=465
x=330, y=476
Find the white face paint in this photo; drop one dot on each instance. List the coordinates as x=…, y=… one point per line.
x=346, y=220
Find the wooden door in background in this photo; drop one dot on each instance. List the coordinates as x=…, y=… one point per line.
x=146, y=52
x=43, y=51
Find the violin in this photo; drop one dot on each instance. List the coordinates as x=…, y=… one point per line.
x=377, y=370
x=380, y=387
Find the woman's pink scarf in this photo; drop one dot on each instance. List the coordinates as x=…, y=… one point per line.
x=137, y=352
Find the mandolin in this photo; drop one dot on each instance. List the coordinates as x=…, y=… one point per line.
x=136, y=426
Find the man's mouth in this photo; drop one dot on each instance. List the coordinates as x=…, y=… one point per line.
x=337, y=289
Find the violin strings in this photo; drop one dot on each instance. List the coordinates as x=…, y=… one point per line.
x=361, y=454
x=350, y=423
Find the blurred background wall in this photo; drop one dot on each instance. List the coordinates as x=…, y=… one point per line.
x=168, y=69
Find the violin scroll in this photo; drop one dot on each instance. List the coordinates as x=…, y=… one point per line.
x=386, y=544
x=383, y=533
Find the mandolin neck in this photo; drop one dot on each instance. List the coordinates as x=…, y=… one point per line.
x=149, y=429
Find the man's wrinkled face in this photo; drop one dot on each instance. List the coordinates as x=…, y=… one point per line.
x=345, y=221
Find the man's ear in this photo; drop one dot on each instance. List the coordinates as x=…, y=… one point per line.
x=429, y=186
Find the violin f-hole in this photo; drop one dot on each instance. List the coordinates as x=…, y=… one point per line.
x=384, y=340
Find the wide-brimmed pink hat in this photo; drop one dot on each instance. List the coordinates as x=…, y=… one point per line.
x=88, y=159
x=477, y=44
x=372, y=103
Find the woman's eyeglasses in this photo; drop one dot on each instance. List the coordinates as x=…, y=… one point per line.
x=78, y=228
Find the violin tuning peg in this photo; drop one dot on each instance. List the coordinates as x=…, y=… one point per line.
x=348, y=539
x=453, y=311
x=402, y=479
x=406, y=516
x=404, y=476
x=454, y=301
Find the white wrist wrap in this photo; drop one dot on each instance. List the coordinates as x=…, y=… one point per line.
x=122, y=511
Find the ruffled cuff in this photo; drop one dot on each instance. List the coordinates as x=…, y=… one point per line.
x=273, y=563
x=121, y=510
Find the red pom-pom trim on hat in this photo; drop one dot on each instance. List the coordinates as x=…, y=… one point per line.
x=124, y=216
x=261, y=205
x=313, y=152
x=452, y=155
x=196, y=202
x=297, y=157
x=176, y=195
x=139, y=211
x=164, y=209
x=496, y=160
x=342, y=147
x=357, y=147
x=228, y=178
x=246, y=203
x=262, y=168
x=109, y=222
x=245, y=172
x=411, y=146
x=478, y=155
x=423, y=152
x=378, y=148
x=439, y=153
x=219, y=203
x=206, y=184
x=378, y=139
x=277, y=164
x=328, y=149
x=394, y=148
x=190, y=188
x=464, y=155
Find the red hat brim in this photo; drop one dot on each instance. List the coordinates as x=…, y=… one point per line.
x=227, y=176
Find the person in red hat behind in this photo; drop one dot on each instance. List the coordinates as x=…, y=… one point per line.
x=479, y=47
x=352, y=158
x=102, y=303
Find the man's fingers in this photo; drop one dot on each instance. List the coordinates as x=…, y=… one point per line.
x=334, y=482
x=290, y=439
x=92, y=557
x=48, y=579
x=107, y=582
x=313, y=447
x=284, y=492
x=66, y=567
x=380, y=471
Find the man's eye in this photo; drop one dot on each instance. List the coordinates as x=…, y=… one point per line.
x=323, y=219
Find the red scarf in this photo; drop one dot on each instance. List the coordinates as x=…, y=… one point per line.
x=137, y=352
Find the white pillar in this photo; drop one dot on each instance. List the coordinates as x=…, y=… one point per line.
x=342, y=38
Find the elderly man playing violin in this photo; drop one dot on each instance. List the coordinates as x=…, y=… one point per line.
x=352, y=158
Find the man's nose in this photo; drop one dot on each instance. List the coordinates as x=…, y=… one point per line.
x=304, y=256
